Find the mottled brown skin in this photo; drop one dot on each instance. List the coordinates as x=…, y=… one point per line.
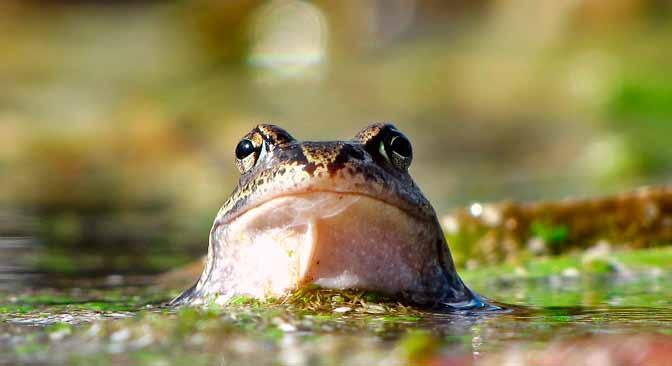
x=282, y=166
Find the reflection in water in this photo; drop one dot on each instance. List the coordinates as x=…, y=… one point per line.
x=14, y=272
x=17, y=247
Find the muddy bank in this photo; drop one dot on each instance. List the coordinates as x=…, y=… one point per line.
x=506, y=231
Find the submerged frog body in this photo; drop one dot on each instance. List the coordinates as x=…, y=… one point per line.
x=338, y=214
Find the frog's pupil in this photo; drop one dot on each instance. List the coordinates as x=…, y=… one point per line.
x=244, y=149
x=401, y=146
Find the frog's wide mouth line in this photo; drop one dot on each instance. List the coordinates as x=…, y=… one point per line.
x=227, y=219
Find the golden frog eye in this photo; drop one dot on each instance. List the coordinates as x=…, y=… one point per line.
x=246, y=155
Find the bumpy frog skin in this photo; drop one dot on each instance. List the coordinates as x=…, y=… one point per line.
x=339, y=214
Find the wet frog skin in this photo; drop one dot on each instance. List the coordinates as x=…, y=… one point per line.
x=338, y=214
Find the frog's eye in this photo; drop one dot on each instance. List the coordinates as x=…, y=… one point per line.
x=246, y=155
x=244, y=148
x=396, y=148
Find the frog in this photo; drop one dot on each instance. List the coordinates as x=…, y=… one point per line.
x=342, y=214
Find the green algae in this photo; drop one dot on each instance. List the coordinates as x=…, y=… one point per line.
x=18, y=309
x=271, y=330
x=130, y=325
x=64, y=262
x=553, y=235
x=634, y=260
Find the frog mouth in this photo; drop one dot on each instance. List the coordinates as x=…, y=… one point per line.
x=335, y=240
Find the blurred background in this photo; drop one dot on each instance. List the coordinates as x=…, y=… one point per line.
x=118, y=119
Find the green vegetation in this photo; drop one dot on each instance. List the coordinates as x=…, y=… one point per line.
x=561, y=295
x=531, y=268
x=553, y=235
x=640, y=110
x=312, y=322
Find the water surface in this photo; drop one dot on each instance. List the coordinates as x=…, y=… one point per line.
x=121, y=320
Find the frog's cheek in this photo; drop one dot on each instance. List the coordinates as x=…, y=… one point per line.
x=335, y=240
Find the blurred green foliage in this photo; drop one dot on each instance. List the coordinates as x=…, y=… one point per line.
x=641, y=110
x=553, y=235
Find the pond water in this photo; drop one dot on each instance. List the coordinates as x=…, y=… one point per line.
x=121, y=320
